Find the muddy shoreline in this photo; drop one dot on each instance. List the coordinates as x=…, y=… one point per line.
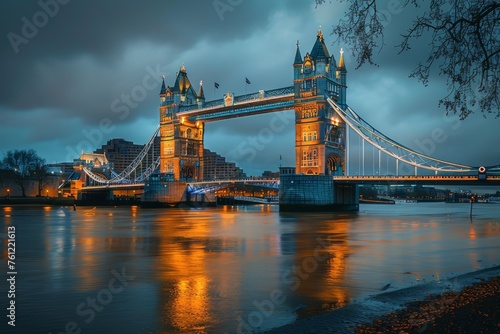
x=460, y=304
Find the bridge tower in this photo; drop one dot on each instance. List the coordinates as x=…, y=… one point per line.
x=319, y=133
x=181, y=143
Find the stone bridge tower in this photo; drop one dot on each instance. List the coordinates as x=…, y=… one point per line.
x=320, y=135
x=181, y=143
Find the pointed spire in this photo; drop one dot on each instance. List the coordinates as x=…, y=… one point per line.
x=201, y=94
x=182, y=82
x=298, y=56
x=163, y=89
x=341, y=66
x=319, y=50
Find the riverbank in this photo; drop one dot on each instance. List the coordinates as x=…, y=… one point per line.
x=466, y=303
x=42, y=200
x=66, y=201
x=475, y=309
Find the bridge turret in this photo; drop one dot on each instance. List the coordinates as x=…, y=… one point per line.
x=183, y=91
x=163, y=90
x=297, y=70
x=320, y=55
x=342, y=78
x=181, y=142
x=200, y=98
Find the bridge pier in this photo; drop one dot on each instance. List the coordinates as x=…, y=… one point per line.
x=316, y=193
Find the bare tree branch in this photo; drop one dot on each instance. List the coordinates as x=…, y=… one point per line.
x=464, y=46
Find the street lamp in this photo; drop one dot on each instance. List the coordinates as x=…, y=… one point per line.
x=47, y=192
x=8, y=192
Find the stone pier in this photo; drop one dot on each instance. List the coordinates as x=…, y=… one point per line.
x=316, y=193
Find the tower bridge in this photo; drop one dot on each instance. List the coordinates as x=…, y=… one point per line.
x=323, y=124
x=320, y=134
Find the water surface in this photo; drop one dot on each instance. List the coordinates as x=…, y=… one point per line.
x=228, y=269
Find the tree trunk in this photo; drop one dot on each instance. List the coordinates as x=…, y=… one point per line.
x=40, y=187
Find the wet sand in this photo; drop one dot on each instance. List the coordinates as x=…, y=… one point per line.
x=468, y=303
x=476, y=309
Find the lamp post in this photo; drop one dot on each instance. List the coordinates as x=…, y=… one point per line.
x=471, y=202
x=8, y=193
x=47, y=193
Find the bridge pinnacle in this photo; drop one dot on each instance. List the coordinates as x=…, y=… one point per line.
x=298, y=56
x=163, y=89
x=341, y=61
x=201, y=94
x=320, y=34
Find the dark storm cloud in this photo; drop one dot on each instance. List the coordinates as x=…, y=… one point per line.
x=102, y=32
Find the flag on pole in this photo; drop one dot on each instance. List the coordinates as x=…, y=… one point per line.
x=280, y=157
x=247, y=81
x=216, y=85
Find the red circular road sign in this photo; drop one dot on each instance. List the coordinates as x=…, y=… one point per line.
x=482, y=169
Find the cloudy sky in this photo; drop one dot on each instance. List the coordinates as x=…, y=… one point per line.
x=67, y=65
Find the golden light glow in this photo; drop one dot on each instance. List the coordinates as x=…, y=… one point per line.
x=332, y=270
x=7, y=210
x=472, y=233
x=191, y=294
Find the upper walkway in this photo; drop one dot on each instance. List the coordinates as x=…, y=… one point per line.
x=264, y=101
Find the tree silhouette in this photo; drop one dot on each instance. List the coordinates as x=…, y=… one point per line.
x=23, y=164
x=464, y=46
x=40, y=169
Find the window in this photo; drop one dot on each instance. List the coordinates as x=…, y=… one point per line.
x=310, y=158
x=309, y=136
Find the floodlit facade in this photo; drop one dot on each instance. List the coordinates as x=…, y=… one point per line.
x=320, y=135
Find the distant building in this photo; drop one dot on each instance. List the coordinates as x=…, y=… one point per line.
x=267, y=174
x=92, y=160
x=121, y=153
x=215, y=167
x=60, y=167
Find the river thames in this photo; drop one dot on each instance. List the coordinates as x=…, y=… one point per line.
x=228, y=269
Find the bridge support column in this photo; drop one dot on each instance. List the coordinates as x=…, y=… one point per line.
x=316, y=193
x=346, y=197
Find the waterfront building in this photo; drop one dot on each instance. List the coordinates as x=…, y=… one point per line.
x=216, y=167
x=121, y=153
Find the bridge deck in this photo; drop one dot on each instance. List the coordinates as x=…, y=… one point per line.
x=491, y=180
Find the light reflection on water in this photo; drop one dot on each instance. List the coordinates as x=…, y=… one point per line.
x=217, y=270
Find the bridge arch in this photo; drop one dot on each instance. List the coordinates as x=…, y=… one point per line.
x=333, y=165
x=188, y=172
